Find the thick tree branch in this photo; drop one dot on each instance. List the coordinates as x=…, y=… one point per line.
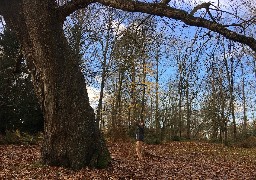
x=72, y=6
x=162, y=10
x=1, y=5
x=165, y=1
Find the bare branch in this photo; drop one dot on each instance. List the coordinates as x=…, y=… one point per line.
x=165, y=1
x=227, y=13
x=233, y=24
x=143, y=21
x=201, y=6
x=163, y=11
x=72, y=6
x=210, y=14
x=205, y=6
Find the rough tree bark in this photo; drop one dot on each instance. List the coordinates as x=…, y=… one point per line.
x=71, y=137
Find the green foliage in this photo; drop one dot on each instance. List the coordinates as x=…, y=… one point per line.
x=19, y=108
x=12, y=137
x=17, y=137
x=9, y=46
x=31, y=139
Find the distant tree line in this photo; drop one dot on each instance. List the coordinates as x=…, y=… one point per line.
x=182, y=88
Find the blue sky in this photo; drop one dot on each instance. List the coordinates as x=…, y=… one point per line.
x=177, y=30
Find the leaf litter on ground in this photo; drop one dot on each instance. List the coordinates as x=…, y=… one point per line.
x=173, y=160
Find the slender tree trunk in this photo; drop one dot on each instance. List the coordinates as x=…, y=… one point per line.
x=113, y=114
x=244, y=104
x=119, y=103
x=144, y=90
x=71, y=137
x=231, y=92
x=180, y=88
x=223, y=124
x=188, y=110
x=133, y=89
x=116, y=108
x=157, y=121
x=103, y=75
x=151, y=111
x=215, y=124
x=102, y=84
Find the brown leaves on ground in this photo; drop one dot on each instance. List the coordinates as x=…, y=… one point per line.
x=175, y=160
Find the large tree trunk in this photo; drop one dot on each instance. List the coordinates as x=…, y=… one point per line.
x=71, y=137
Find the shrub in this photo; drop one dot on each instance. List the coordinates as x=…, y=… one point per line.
x=16, y=137
x=176, y=138
x=12, y=137
x=249, y=142
x=29, y=139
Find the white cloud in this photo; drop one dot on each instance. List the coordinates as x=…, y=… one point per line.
x=93, y=94
x=118, y=27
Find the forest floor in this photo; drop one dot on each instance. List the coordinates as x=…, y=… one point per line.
x=174, y=160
